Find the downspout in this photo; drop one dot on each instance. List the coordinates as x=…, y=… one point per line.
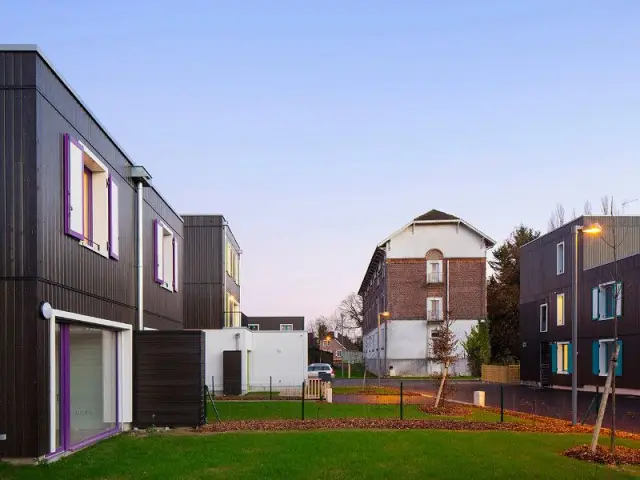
x=140, y=261
x=447, y=311
x=224, y=275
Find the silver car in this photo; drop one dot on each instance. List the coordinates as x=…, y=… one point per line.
x=315, y=368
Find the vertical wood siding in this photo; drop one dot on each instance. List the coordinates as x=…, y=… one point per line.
x=624, y=232
x=168, y=379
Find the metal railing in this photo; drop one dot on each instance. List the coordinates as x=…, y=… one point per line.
x=434, y=277
x=434, y=316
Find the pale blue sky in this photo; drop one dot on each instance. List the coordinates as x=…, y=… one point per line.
x=318, y=128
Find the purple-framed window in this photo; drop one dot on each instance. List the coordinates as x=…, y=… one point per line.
x=88, y=372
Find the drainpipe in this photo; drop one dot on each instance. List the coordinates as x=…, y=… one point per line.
x=225, y=304
x=447, y=311
x=140, y=260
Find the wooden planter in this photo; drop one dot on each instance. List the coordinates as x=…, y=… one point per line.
x=501, y=373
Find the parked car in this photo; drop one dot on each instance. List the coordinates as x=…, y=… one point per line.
x=315, y=368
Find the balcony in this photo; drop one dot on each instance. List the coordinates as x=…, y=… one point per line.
x=232, y=319
x=434, y=277
x=434, y=316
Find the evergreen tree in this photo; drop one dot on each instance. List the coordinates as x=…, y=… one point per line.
x=503, y=296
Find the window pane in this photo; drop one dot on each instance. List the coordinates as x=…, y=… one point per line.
x=93, y=381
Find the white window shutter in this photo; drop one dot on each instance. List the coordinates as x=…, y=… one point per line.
x=175, y=264
x=618, y=292
x=114, y=219
x=595, y=304
x=440, y=315
x=157, y=240
x=74, y=186
x=428, y=308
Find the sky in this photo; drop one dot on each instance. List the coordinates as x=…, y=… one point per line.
x=319, y=128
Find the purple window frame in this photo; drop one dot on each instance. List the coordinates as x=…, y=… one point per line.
x=88, y=236
x=112, y=220
x=65, y=395
x=68, y=140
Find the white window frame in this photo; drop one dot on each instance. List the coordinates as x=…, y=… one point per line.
x=603, y=360
x=326, y=343
x=602, y=301
x=439, y=314
x=560, y=317
x=286, y=325
x=339, y=353
x=546, y=317
x=560, y=268
x=256, y=325
x=564, y=371
x=166, y=253
x=429, y=272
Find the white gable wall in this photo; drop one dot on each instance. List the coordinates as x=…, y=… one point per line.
x=455, y=241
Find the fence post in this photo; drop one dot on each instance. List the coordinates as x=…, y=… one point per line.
x=204, y=395
x=401, y=402
x=501, y=403
x=270, y=389
x=213, y=386
x=303, y=385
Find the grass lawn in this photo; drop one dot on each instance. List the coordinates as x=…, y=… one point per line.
x=357, y=371
x=274, y=410
x=355, y=454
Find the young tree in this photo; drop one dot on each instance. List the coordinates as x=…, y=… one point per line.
x=613, y=238
x=478, y=348
x=445, y=352
x=503, y=296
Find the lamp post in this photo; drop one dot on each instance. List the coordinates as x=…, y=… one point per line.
x=380, y=314
x=592, y=229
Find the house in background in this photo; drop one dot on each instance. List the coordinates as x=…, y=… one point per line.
x=212, y=276
x=546, y=305
x=432, y=268
x=283, y=324
x=337, y=344
x=73, y=285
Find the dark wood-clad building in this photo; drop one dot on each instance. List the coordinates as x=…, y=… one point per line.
x=212, y=273
x=69, y=265
x=546, y=266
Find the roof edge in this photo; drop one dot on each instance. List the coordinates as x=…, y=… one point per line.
x=26, y=47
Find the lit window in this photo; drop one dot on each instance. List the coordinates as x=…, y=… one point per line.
x=560, y=309
x=166, y=256
x=560, y=258
x=285, y=327
x=562, y=354
x=233, y=263
x=90, y=200
x=544, y=317
x=232, y=312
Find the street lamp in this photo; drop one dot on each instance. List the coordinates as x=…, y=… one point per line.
x=592, y=229
x=380, y=314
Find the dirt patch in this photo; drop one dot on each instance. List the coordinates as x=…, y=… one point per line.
x=621, y=456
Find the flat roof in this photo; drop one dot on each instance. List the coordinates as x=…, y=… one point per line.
x=35, y=49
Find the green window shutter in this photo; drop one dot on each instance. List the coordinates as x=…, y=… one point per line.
x=619, y=366
x=554, y=353
x=595, y=357
x=595, y=303
x=570, y=362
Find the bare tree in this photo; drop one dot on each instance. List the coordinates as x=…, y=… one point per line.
x=604, y=204
x=616, y=241
x=445, y=352
x=557, y=217
x=587, y=208
x=350, y=309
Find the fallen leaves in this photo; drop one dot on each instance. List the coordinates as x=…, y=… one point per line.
x=622, y=455
x=447, y=409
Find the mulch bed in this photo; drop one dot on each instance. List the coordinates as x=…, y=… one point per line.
x=622, y=455
x=447, y=409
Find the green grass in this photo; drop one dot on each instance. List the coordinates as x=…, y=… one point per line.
x=276, y=410
x=274, y=394
x=357, y=371
x=355, y=454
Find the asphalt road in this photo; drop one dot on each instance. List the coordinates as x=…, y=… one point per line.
x=539, y=401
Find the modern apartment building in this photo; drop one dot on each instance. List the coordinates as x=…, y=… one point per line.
x=546, y=303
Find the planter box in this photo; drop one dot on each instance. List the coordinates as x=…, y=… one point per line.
x=501, y=373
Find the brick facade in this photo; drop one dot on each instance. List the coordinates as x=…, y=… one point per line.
x=467, y=288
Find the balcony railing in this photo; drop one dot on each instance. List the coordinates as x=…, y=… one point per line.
x=434, y=277
x=232, y=319
x=434, y=316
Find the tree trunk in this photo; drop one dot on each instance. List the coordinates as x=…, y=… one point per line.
x=605, y=397
x=442, y=381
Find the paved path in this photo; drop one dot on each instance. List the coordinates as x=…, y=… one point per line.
x=547, y=402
